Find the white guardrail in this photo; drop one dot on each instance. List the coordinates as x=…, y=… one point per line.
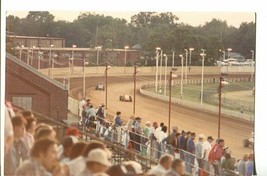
x=197, y=106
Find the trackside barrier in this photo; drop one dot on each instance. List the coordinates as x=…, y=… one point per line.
x=194, y=105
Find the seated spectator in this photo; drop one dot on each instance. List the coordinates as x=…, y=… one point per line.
x=163, y=166
x=97, y=161
x=79, y=164
x=66, y=145
x=28, y=138
x=43, y=159
x=17, y=151
x=73, y=131
x=9, y=134
x=241, y=166
x=177, y=168
x=76, y=150
x=44, y=132
x=43, y=125
x=129, y=168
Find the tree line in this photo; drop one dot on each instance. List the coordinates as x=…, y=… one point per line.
x=146, y=30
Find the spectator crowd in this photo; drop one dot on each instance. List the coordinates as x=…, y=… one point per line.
x=32, y=148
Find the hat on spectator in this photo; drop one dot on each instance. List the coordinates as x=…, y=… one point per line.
x=201, y=136
x=138, y=118
x=148, y=123
x=99, y=156
x=175, y=128
x=72, y=131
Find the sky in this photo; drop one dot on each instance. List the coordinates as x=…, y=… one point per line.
x=191, y=18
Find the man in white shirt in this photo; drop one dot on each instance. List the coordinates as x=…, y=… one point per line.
x=158, y=129
x=161, y=136
x=163, y=166
x=81, y=106
x=207, y=147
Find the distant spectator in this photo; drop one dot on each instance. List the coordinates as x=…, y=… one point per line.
x=118, y=123
x=97, y=161
x=138, y=133
x=228, y=165
x=191, y=150
x=18, y=151
x=241, y=165
x=81, y=108
x=162, y=135
x=28, y=138
x=164, y=165
x=181, y=143
x=215, y=156
x=158, y=129
x=101, y=114
x=171, y=140
x=199, y=151
x=250, y=166
x=43, y=159
x=177, y=168
x=207, y=147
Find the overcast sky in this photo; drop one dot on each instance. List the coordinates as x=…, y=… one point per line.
x=191, y=18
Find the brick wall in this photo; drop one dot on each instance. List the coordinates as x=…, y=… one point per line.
x=47, y=94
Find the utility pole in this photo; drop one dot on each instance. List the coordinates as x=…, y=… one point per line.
x=220, y=106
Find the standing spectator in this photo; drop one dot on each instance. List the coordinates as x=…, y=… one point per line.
x=191, y=152
x=153, y=139
x=138, y=133
x=18, y=151
x=43, y=158
x=129, y=132
x=97, y=161
x=28, y=138
x=101, y=114
x=90, y=114
x=215, y=156
x=161, y=136
x=200, y=152
x=164, y=165
x=118, y=123
x=250, y=166
x=227, y=165
x=158, y=129
x=146, y=133
x=241, y=166
x=81, y=108
x=185, y=149
x=181, y=141
x=207, y=147
x=171, y=141
x=177, y=168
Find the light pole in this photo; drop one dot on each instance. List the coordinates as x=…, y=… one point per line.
x=223, y=54
x=182, y=76
x=97, y=55
x=20, y=51
x=135, y=72
x=170, y=99
x=84, y=64
x=165, y=82
x=173, y=58
x=190, y=53
x=70, y=59
x=252, y=64
x=28, y=55
x=157, y=69
x=106, y=76
x=53, y=61
x=125, y=55
x=202, y=75
x=39, y=57
x=220, y=106
x=73, y=46
x=186, y=60
x=49, y=64
x=32, y=54
x=229, y=50
x=160, y=71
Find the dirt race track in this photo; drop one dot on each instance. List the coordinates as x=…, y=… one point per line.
x=232, y=130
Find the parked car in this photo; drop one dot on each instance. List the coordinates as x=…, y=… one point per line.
x=100, y=86
x=126, y=97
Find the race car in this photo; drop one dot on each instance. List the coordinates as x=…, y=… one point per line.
x=100, y=86
x=126, y=97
